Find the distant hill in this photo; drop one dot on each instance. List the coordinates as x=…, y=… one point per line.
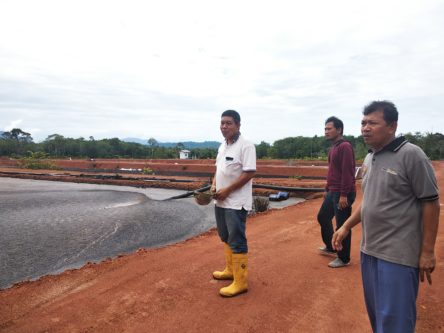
x=187, y=144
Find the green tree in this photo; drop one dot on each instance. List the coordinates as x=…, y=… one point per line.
x=18, y=135
x=263, y=149
x=204, y=153
x=54, y=145
x=15, y=142
x=153, y=144
x=433, y=145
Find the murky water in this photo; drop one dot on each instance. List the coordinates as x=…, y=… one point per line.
x=47, y=227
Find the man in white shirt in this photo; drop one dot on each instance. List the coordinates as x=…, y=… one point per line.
x=233, y=185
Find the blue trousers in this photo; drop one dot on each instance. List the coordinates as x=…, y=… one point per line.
x=231, y=225
x=328, y=210
x=390, y=292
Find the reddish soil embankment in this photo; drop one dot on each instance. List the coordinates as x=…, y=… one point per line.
x=170, y=289
x=178, y=174
x=265, y=168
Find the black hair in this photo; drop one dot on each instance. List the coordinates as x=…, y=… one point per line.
x=233, y=114
x=389, y=110
x=337, y=123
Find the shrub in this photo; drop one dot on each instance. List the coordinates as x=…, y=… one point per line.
x=148, y=171
x=260, y=204
x=37, y=160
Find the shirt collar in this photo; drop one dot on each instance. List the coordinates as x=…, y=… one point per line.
x=393, y=146
x=235, y=138
x=337, y=143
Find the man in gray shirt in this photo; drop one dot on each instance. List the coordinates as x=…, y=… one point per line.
x=400, y=216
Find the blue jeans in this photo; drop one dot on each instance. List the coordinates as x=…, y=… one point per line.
x=390, y=292
x=328, y=210
x=231, y=225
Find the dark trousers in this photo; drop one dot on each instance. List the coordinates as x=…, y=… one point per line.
x=328, y=210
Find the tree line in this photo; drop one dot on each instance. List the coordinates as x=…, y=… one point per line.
x=17, y=143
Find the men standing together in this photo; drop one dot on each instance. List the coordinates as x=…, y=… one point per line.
x=340, y=191
x=399, y=212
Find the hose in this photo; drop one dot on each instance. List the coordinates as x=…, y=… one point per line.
x=190, y=193
x=289, y=189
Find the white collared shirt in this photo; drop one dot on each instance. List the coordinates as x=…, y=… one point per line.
x=232, y=160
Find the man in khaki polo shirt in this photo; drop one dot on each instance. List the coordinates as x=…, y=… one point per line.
x=400, y=216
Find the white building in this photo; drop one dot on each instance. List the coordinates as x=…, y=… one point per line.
x=184, y=154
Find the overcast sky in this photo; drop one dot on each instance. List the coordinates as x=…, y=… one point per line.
x=167, y=69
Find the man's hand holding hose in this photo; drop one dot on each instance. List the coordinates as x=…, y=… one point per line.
x=223, y=193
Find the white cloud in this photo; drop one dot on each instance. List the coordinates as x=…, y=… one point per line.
x=13, y=124
x=168, y=69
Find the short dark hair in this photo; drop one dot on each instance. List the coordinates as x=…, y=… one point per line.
x=390, y=112
x=337, y=123
x=233, y=114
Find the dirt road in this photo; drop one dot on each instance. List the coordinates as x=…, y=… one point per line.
x=170, y=289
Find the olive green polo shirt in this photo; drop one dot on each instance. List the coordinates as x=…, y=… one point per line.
x=395, y=182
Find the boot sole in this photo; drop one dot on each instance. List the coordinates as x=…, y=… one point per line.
x=239, y=293
x=339, y=266
x=223, y=279
x=226, y=277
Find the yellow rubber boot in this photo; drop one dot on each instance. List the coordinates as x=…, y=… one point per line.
x=240, y=272
x=227, y=273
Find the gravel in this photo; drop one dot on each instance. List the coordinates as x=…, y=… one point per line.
x=48, y=227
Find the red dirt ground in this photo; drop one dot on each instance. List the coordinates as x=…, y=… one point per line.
x=170, y=289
